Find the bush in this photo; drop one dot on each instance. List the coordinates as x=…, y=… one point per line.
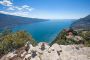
x=86, y=36
x=12, y=41
x=61, y=38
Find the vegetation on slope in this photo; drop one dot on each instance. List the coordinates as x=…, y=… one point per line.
x=67, y=37
x=9, y=41
x=86, y=37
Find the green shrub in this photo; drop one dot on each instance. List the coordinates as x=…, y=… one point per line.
x=86, y=37
x=12, y=41
x=61, y=38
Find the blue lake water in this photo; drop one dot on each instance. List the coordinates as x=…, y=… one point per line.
x=44, y=31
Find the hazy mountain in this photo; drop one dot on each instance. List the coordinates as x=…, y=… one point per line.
x=10, y=20
x=83, y=23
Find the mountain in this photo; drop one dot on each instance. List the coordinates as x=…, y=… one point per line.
x=10, y=20
x=83, y=23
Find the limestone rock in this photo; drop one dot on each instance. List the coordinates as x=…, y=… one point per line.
x=44, y=52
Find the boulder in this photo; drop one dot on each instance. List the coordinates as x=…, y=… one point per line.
x=44, y=52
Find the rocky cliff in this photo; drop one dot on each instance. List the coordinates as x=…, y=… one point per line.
x=45, y=52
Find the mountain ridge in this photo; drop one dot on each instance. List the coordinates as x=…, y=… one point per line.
x=82, y=23
x=10, y=20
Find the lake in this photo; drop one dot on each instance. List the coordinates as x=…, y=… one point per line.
x=44, y=31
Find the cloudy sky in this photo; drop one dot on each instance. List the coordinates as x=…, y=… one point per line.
x=46, y=9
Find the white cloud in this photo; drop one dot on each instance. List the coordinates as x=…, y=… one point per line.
x=19, y=13
x=10, y=8
x=6, y=3
x=29, y=8
x=23, y=10
x=4, y=12
x=25, y=6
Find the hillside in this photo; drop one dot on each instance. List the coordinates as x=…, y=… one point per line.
x=83, y=23
x=10, y=20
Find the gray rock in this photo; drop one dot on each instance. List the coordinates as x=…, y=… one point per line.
x=55, y=52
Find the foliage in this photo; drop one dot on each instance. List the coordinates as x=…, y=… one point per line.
x=61, y=38
x=14, y=40
x=86, y=36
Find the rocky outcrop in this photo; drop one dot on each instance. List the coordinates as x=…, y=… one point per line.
x=56, y=52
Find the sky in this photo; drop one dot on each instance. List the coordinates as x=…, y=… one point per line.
x=46, y=9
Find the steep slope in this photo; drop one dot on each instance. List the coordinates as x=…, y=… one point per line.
x=10, y=20
x=83, y=23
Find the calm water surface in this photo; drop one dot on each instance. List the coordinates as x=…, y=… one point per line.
x=44, y=31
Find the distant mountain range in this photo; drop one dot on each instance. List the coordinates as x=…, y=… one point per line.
x=83, y=23
x=10, y=20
